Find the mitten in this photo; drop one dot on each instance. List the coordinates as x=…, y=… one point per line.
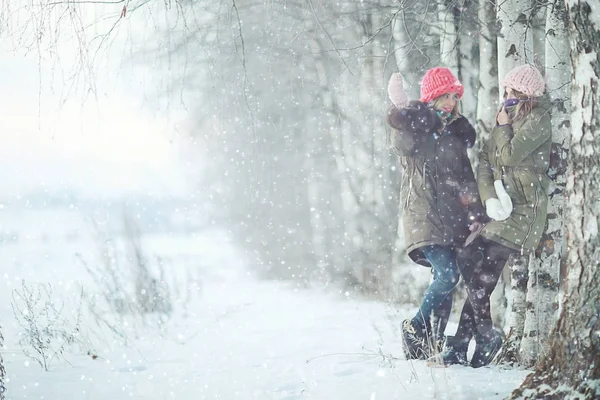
x=396, y=91
x=504, y=198
x=494, y=210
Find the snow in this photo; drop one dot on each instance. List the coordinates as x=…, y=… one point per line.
x=241, y=338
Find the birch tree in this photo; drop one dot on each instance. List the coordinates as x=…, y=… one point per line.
x=544, y=269
x=515, y=47
x=448, y=35
x=487, y=93
x=570, y=369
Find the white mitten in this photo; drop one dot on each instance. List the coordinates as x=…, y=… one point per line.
x=504, y=198
x=396, y=91
x=493, y=209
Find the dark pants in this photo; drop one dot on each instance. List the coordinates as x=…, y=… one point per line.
x=437, y=300
x=480, y=264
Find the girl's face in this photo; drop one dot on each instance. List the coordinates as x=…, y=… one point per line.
x=509, y=94
x=447, y=102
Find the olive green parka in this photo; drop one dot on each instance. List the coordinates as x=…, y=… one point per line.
x=519, y=155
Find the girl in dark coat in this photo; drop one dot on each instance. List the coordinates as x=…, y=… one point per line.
x=439, y=195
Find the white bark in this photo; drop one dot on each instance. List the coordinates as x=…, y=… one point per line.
x=570, y=369
x=515, y=47
x=544, y=271
x=515, y=39
x=468, y=68
x=538, y=31
x=515, y=317
x=448, y=36
x=487, y=94
x=402, y=47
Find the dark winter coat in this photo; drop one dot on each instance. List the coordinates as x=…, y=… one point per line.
x=519, y=154
x=439, y=194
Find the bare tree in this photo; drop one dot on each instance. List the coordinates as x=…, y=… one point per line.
x=515, y=47
x=544, y=269
x=570, y=369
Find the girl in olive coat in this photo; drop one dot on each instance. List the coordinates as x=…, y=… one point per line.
x=512, y=183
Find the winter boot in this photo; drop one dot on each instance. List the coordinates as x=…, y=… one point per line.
x=488, y=345
x=455, y=352
x=414, y=341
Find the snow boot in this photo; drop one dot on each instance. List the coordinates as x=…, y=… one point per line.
x=455, y=352
x=488, y=345
x=414, y=341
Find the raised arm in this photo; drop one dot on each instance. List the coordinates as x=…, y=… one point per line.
x=409, y=124
x=514, y=147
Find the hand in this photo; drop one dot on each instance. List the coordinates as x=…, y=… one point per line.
x=503, y=118
x=465, y=199
x=474, y=226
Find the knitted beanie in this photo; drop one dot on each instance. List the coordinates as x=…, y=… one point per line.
x=438, y=81
x=396, y=91
x=527, y=79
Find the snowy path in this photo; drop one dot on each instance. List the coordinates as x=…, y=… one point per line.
x=242, y=338
x=258, y=340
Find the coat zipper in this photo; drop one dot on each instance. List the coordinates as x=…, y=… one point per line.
x=424, y=173
x=410, y=180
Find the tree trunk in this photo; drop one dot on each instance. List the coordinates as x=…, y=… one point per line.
x=515, y=47
x=487, y=94
x=515, y=39
x=448, y=35
x=515, y=322
x=544, y=270
x=571, y=368
x=402, y=47
x=468, y=62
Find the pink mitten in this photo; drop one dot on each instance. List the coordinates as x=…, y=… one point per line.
x=396, y=91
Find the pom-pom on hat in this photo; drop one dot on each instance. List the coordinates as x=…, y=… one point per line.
x=526, y=79
x=438, y=81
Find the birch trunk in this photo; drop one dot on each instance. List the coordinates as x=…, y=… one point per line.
x=402, y=46
x=515, y=319
x=515, y=47
x=468, y=62
x=515, y=39
x=571, y=369
x=487, y=105
x=448, y=35
x=487, y=94
x=544, y=271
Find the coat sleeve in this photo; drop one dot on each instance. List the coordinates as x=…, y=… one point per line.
x=514, y=147
x=468, y=194
x=485, y=175
x=408, y=125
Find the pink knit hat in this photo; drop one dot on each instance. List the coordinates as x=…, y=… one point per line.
x=396, y=91
x=438, y=81
x=527, y=79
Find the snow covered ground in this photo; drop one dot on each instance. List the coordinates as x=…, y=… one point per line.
x=236, y=338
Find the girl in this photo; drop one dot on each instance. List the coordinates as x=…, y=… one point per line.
x=438, y=194
x=512, y=183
